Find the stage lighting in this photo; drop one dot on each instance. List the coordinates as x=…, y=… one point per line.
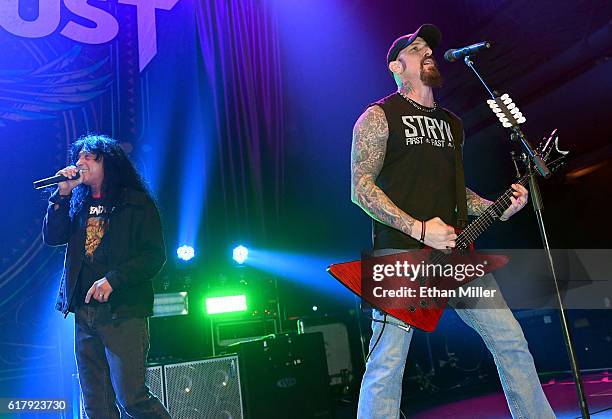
x=170, y=304
x=240, y=254
x=228, y=304
x=185, y=253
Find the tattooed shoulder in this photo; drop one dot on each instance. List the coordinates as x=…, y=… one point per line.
x=370, y=140
x=372, y=124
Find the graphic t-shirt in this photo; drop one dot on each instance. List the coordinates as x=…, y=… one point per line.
x=94, y=263
x=97, y=220
x=418, y=172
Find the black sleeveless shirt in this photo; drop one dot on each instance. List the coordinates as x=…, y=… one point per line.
x=418, y=172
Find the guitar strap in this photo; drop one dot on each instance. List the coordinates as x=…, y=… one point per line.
x=458, y=134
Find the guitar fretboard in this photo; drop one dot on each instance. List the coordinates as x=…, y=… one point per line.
x=484, y=220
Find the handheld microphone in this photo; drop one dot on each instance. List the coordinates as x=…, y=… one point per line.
x=453, y=55
x=54, y=180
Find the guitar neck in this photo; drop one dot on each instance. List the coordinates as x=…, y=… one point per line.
x=488, y=217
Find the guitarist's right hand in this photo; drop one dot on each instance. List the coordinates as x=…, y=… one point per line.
x=438, y=234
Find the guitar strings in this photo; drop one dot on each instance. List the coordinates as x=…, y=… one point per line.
x=486, y=218
x=476, y=228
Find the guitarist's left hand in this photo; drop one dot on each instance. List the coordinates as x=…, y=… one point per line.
x=518, y=201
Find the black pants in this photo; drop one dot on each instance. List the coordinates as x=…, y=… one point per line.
x=111, y=357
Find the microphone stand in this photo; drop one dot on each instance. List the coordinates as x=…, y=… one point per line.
x=536, y=200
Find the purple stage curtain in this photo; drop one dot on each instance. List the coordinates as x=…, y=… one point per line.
x=241, y=64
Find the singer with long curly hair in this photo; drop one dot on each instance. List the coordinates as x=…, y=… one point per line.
x=111, y=227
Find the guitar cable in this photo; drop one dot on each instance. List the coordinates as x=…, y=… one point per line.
x=384, y=322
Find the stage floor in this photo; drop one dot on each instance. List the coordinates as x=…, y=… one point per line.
x=560, y=392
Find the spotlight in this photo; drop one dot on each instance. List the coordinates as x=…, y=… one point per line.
x=315, y=308
x=185, y=253
x=240, y=254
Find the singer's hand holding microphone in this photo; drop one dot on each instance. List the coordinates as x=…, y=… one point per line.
x=66, y=179
x=73, y=174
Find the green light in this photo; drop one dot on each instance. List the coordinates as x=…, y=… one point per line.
x=229, y=304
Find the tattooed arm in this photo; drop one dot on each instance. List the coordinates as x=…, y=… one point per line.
x=476, y=204
x=367, y=156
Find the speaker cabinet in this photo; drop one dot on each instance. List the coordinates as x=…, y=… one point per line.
x=337, y=349
x=285, y=376
x=204, y=389
x=153, y=380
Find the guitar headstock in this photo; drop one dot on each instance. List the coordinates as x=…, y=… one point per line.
x=549, y=151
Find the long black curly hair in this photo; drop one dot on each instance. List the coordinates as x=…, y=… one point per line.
x=119, y=172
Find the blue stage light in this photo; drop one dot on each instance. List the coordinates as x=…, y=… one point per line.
x=185, y=253
x=240, y=254
x=306, y=269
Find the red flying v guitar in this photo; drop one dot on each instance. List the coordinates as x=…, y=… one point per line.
x=424, y=312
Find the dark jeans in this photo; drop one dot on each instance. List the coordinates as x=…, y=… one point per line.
x=111, y=357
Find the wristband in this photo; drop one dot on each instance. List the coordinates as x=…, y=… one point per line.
x=422, y=240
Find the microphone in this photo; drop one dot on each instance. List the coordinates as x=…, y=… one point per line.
x=54, y=180
x=453, y=55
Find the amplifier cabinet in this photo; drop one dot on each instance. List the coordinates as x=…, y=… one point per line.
x=285, y=376
x=209, y=388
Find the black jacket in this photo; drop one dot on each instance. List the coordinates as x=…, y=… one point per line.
x=136, y=251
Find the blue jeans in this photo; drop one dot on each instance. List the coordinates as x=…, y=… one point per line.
x=381, y=387
x=111, y=357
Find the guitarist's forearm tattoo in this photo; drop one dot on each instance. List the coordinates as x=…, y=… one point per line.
x=476, y=204
x=367, y=156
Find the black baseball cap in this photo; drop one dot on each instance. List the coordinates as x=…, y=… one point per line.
x=430, y=33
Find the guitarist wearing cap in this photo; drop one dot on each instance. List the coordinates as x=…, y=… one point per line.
x=406, y=173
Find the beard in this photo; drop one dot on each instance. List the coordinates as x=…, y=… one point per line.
x=431, y=76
